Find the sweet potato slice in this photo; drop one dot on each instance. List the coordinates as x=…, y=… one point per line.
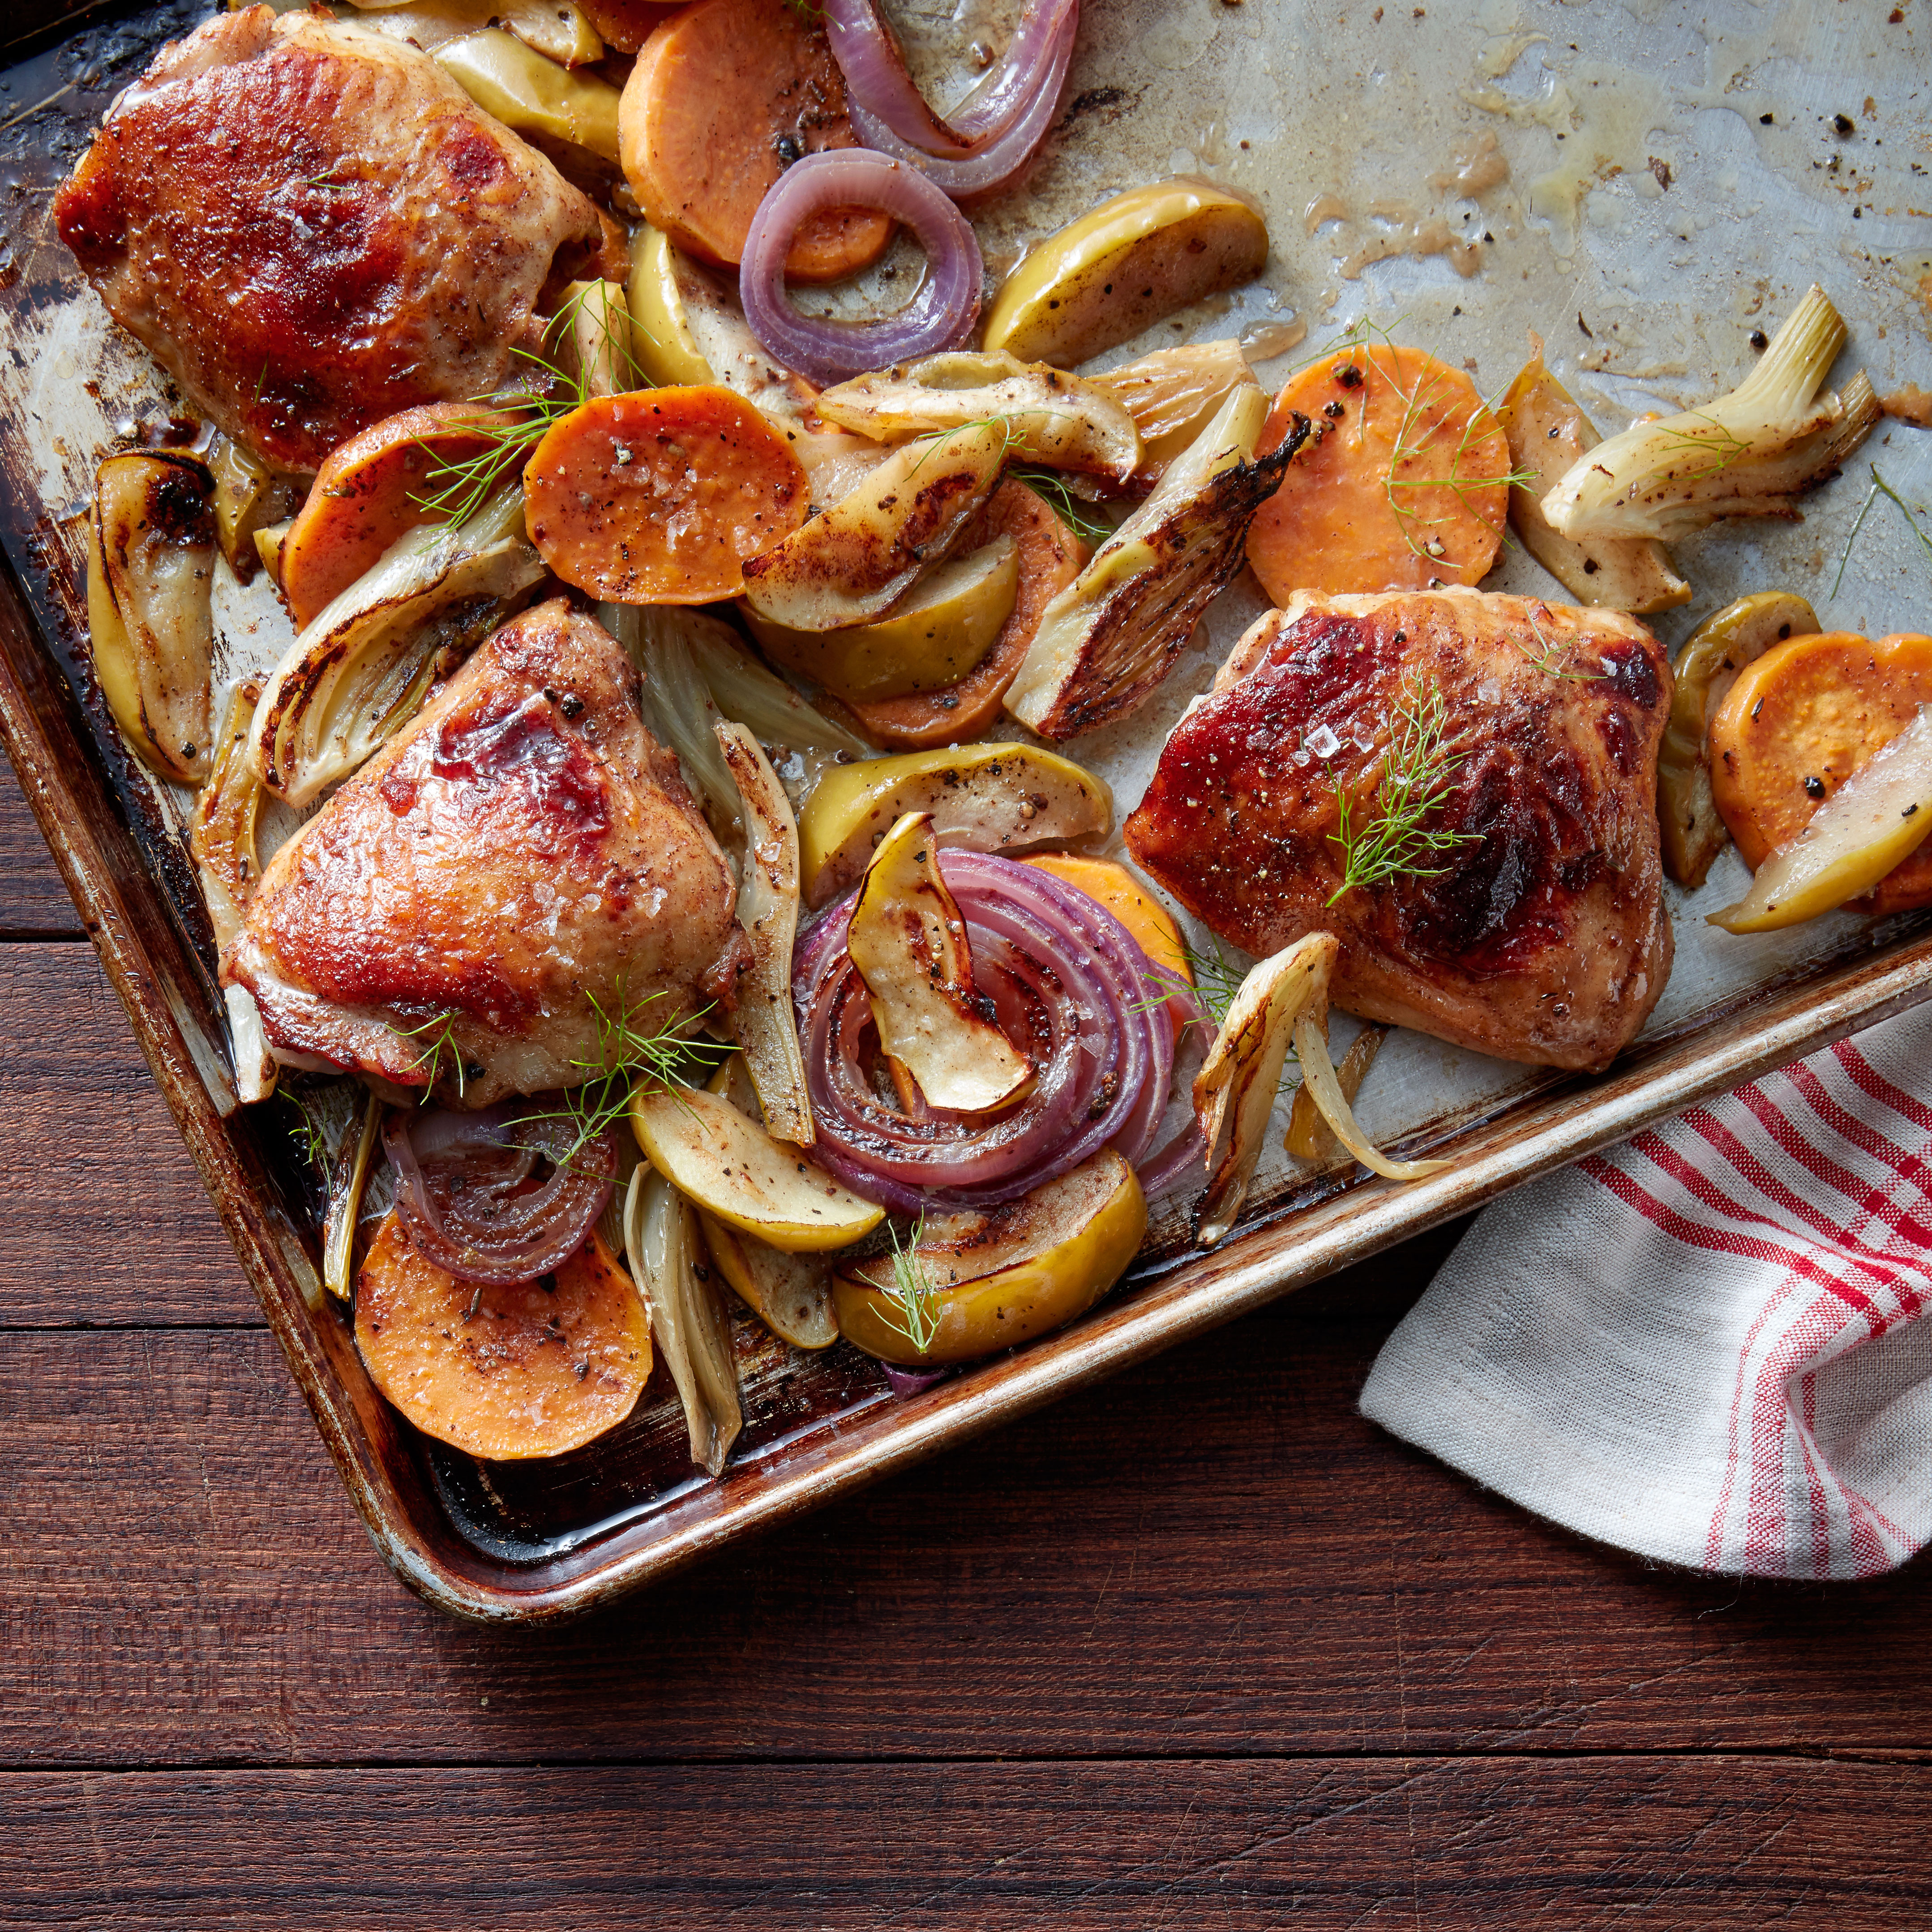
x=659, y=497
x=721, y=95
x=1799, y=722
x=1404, y=486
x=369, y=491
x=503, y=1372
x=1051, y=557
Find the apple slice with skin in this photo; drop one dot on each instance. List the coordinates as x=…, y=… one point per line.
x=979, y=1282
x=907, y=937
x=790, y=1294
x=735, y=1171
x=854, y=562
x=983, y=798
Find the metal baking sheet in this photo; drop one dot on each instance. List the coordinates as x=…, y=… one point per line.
x=1642, y=187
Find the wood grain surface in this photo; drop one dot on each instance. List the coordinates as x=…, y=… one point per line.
x=1199, y=1646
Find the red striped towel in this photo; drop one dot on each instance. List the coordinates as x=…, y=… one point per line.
x=1705, y=1345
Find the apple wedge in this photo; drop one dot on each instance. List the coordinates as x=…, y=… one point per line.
x=1051, y=417
x=976, y=1283
x=983, y=798
x=907, y=938
x=735, y=1171
x=790, y=1294
x=852, y=564
x=768, y=911
x=933, y=637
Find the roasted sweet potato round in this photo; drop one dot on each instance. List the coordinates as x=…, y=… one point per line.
x=659, y=497
x=1404, y=487
x=1799, y=722
x=503, y=1372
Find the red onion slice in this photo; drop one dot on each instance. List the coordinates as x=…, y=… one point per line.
x=940, y=314
x=1003, y=157
x=869, y=55
x=466, y=1199
x=1071, y=987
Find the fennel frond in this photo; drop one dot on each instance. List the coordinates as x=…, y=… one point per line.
x=630, y=1047
x=1552, y=659
x=917, y=1300
x=513, y=421
x=1879, y=488
x=1749, y=454
x=436, y=1040
x=1395, y=840
x=1077, y=514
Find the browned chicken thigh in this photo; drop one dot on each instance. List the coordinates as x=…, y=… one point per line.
x=519, y=865
x=1539, y=933
x=312, y=227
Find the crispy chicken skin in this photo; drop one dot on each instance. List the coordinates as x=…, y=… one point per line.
x=1544, y=937
x=522, y=855
x=312, y=227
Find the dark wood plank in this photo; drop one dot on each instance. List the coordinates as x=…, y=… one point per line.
x=33, y=903
x=1702, y=1843
x=1213, y=1554
x=107, y=1220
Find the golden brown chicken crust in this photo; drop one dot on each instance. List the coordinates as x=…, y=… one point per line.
x=1543, y=937
x=523, y=855
x=311, y=227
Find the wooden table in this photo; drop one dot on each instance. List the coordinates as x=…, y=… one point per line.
x=1199, y=1647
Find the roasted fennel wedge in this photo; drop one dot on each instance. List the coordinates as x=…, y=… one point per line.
x=1107, y=640
x=1548, y=434
x=1751, y=453
x=1282, y=1002
x=363, y=668
x=768, y=911
x=152, y=547
x=688, y=1322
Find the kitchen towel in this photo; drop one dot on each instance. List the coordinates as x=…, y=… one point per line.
x=1708, y=1344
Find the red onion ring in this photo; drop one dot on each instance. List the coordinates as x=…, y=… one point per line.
x=466, y=1200
x=1004, y=156
x=1068, y=981
x=940, y=314
x=869, y=55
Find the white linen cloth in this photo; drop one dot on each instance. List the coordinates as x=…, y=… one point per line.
x=1707, y=1345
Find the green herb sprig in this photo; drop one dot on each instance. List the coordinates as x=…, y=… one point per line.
x=1879, y=487
x=516, y=418
x=1394, y=839
x=918, y=1301
x=437, y=1039
x=1553, y=660
x=1079, y=515
x=305, y=1130
x=632, y=1044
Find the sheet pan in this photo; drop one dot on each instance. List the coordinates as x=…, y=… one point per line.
x=1701, y=180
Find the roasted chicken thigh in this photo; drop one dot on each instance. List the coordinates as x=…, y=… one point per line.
x=512, y=873
x=1528, y=920
x=312, y=226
